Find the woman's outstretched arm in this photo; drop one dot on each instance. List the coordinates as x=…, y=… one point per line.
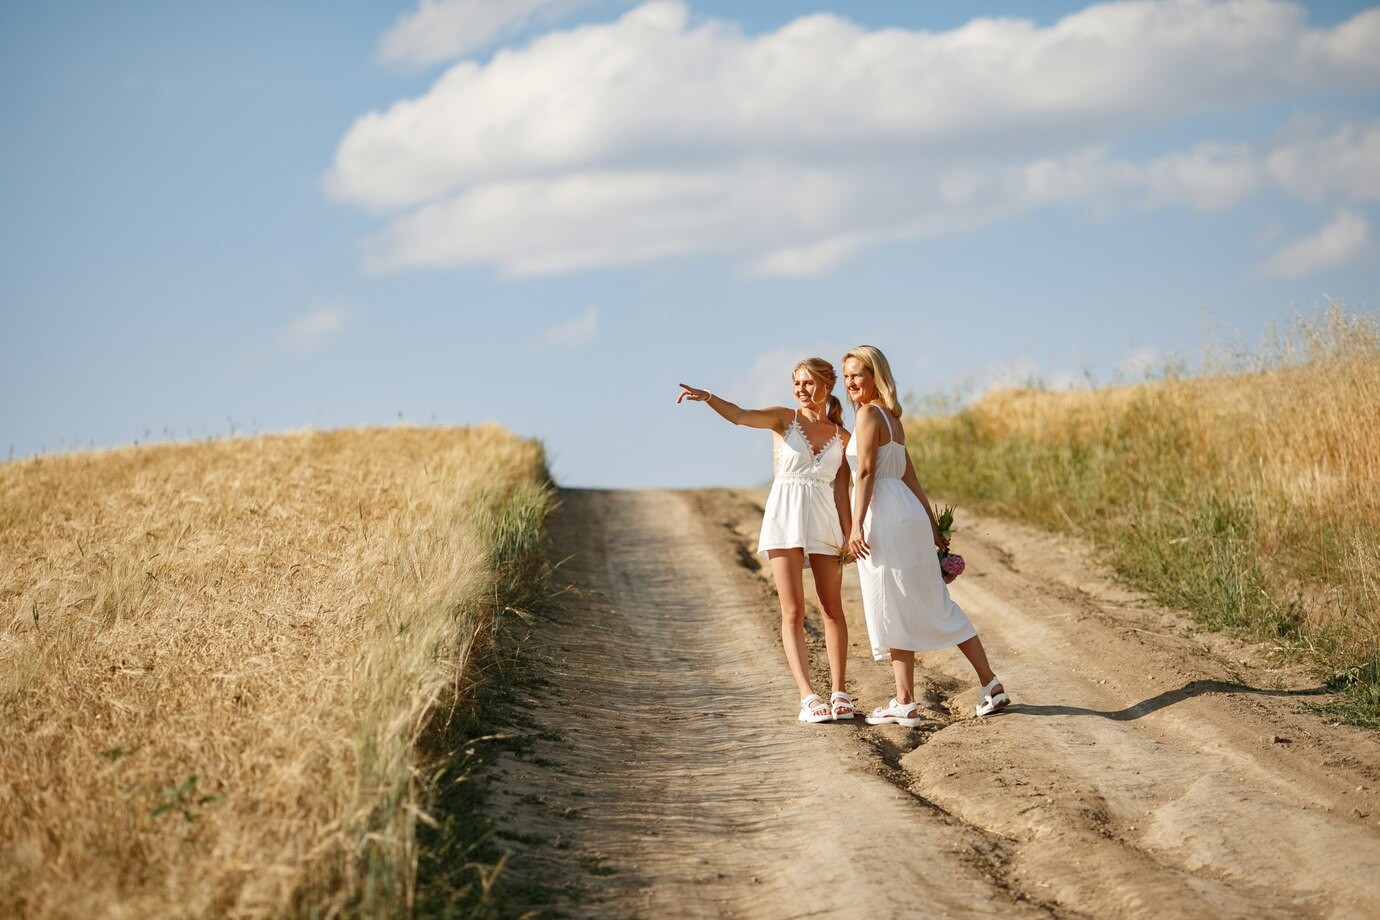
x=776, y=417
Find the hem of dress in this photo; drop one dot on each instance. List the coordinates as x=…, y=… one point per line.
x=885, y=654
x=828, y=551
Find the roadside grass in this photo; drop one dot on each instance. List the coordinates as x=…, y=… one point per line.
x=224, y=667
x=462, y=869
x=1249, y=497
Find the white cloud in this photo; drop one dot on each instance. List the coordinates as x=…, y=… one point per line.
x=311, y=332
x=570, y=335
x=811, y=259
x=653, y=136
x=650, y=84
x=1341, y=241
x=440, y=30
x=1210, y=177
x=538, y=226
x=1207, y=177
x=781, y=219
x=1346, y=162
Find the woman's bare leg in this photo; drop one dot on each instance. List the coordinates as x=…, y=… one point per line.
x=903, y=669
x=828, y=575
x=977, y=657
x=787, y=569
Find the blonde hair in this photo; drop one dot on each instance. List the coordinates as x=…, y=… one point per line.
x=824, y=375
x=871, y=357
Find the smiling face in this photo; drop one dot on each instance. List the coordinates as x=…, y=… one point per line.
x=808, y=391
x=859, y=380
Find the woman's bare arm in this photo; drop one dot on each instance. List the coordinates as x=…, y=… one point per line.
x=913, y=482
x=775, y=418
x=867, y=434
x=842, y=481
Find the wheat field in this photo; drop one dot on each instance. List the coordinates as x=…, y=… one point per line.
x=216, y=661
x=1248, y=495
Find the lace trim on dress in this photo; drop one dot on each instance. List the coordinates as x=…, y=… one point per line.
x=815, y=455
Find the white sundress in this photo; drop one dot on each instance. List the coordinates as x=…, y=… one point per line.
x=905, y=601
x=800, y=510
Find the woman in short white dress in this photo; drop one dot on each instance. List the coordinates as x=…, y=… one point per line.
x=893, y=538
x=804, y=522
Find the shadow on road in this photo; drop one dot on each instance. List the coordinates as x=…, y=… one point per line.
x=1155, y=703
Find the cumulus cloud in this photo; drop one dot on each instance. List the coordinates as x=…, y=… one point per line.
x=779, y=218
x=1342, y=240
x=441, y=30
x=654, y=136
x=811, y=259
x=570, y=335
x=1345, y=162
x=311, y=332
x=536, y=226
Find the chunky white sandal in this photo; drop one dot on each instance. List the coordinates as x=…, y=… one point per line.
x=814, y=709
x=840, y=706
x=992, y=702
x=907, y=714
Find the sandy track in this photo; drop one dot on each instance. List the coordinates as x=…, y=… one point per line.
x=1143, y=771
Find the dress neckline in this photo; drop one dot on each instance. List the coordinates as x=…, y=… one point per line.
x=814, y=454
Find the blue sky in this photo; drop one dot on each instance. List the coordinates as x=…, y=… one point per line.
x=257, y=217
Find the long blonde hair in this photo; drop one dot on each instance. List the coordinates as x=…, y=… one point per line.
x=824, y=375
x=871, y=357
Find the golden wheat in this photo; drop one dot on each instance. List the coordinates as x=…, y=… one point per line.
x=215, y=661
x=1275, y=465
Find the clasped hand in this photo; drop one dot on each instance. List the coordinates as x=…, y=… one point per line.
x=857, y=545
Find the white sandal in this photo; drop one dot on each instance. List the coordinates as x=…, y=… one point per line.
x=992, y=702
x=816, y=711
x=907, y=714
x=840, y=705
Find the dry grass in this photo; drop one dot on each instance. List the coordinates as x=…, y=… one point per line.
x=1250, y=496
x=216, y=660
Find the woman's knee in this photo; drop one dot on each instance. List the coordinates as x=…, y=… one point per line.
x=831, y=613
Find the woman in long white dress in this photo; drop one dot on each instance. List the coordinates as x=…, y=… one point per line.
x=804, y=522
x=893, y=538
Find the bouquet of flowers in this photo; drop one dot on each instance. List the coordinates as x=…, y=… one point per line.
x=950, y=564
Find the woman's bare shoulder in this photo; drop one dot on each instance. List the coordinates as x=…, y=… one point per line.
x=780, y=416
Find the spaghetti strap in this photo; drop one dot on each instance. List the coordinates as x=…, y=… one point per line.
x=886, y=416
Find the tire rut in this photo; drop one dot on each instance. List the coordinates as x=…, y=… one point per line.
x=666, y=775
x=1144, y=769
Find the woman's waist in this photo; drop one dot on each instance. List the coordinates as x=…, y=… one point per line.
x=799, y=477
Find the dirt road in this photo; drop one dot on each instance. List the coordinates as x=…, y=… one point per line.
x=1143, y=770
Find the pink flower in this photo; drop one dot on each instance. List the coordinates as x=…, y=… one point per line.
x=951, y=566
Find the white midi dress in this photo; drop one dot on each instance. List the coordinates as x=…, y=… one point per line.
x=905, y=601
x=800, y=511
